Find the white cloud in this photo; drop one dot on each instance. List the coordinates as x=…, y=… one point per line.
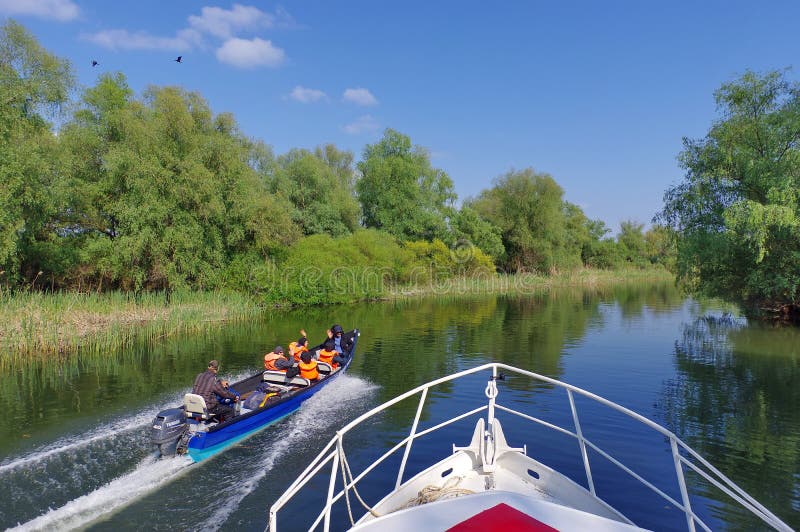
x=140, y=40
x=225, y=23
x=362, y=124
x=305, y=95
x=213, y=23
x=244, y=53
x=359, y=96
x=62, y=10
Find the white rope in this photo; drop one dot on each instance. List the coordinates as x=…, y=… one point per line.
x=347, y=473
x=431, y=493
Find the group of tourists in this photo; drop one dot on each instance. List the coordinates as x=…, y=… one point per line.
x=220, y=398
x=300, y=361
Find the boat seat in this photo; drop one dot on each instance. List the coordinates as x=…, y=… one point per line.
x=279, y=377
x=324, y=368
x=195, y=407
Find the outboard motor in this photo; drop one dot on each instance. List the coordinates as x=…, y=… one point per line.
x=168, y=427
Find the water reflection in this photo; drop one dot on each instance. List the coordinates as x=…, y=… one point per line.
x=735, y=399
x=728, y=388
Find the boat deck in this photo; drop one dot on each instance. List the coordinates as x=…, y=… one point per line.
x=457, y=488
x=445, y=514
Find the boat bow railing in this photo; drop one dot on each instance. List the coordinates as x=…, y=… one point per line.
x=683, y=456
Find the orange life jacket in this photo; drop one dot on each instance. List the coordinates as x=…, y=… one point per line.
x=327, y=357
x=309, y=371
x=296, y=350
x=269, y=361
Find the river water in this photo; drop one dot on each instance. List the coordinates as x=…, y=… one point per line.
x=74, y=451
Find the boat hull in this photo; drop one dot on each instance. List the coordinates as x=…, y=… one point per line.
x=206, y=444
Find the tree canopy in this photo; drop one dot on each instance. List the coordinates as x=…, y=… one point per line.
x=154, y=191
x=319, y=186
x=736, y=212
x=158, y=192
x=529, y=210
x=401, y=193
x=33, y=85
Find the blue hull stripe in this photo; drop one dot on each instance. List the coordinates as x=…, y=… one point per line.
x=206, y=444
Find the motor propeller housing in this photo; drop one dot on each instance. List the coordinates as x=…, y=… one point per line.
x=167, y=428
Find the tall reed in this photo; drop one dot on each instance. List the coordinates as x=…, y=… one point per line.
x=47, y=324
x=40, y=325
x=530, y=283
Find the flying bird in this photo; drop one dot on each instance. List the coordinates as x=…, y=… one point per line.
x=95, y=63
x=178, y=60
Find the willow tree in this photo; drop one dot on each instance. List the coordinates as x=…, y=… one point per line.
x=532, y=217
x=401, y=193
x=467, y=225
x=319, y=186
x=33, y=84
x=162, y=194
x=737, y=213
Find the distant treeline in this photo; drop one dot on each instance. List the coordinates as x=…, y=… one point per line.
x=110, y=190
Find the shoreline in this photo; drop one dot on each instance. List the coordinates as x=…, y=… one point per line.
x=36, y=325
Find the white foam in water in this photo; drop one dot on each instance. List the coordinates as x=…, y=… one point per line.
x=149, y=475
x=305, y=421
x=101, y=432
x=153, y=473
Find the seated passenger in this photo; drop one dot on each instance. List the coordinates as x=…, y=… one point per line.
x=275, y=360
x=227, y=400
x=297, y=348
x=329, y=355
x=308, y=367
x=209, y=387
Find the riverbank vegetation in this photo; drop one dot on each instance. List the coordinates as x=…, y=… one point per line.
x=737, y=213
x=130, y=197
x=156, y=192
x=42, y=325
x=45, y=324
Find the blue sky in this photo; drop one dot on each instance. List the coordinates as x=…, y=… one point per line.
x=597, y=94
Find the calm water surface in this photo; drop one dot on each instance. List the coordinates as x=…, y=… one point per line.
x=74, y=451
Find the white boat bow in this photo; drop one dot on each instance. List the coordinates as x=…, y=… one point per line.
x=490, y=485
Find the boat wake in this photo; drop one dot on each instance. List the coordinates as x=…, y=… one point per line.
x=346, y=393
x=73, y=443
x=83, y=476
x=88, y=478
x=149, y=475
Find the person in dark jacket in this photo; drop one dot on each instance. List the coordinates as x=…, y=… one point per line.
x=209, y=387
x=343, y=345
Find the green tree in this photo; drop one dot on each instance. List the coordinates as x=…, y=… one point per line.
x=660, y=246
x=163, y=192
x=467, y=225
x=319, y=187
x=600, y=251
x=736, y=212
x=528, y=209
x=401, y=193
x=33, y=84
x=632, y=243
x=577, y=236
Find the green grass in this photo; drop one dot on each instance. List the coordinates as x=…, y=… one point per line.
x=532, y=283
x=43, y=324
x=38, y=325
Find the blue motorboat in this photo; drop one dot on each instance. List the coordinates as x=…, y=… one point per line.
x=190, y=429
